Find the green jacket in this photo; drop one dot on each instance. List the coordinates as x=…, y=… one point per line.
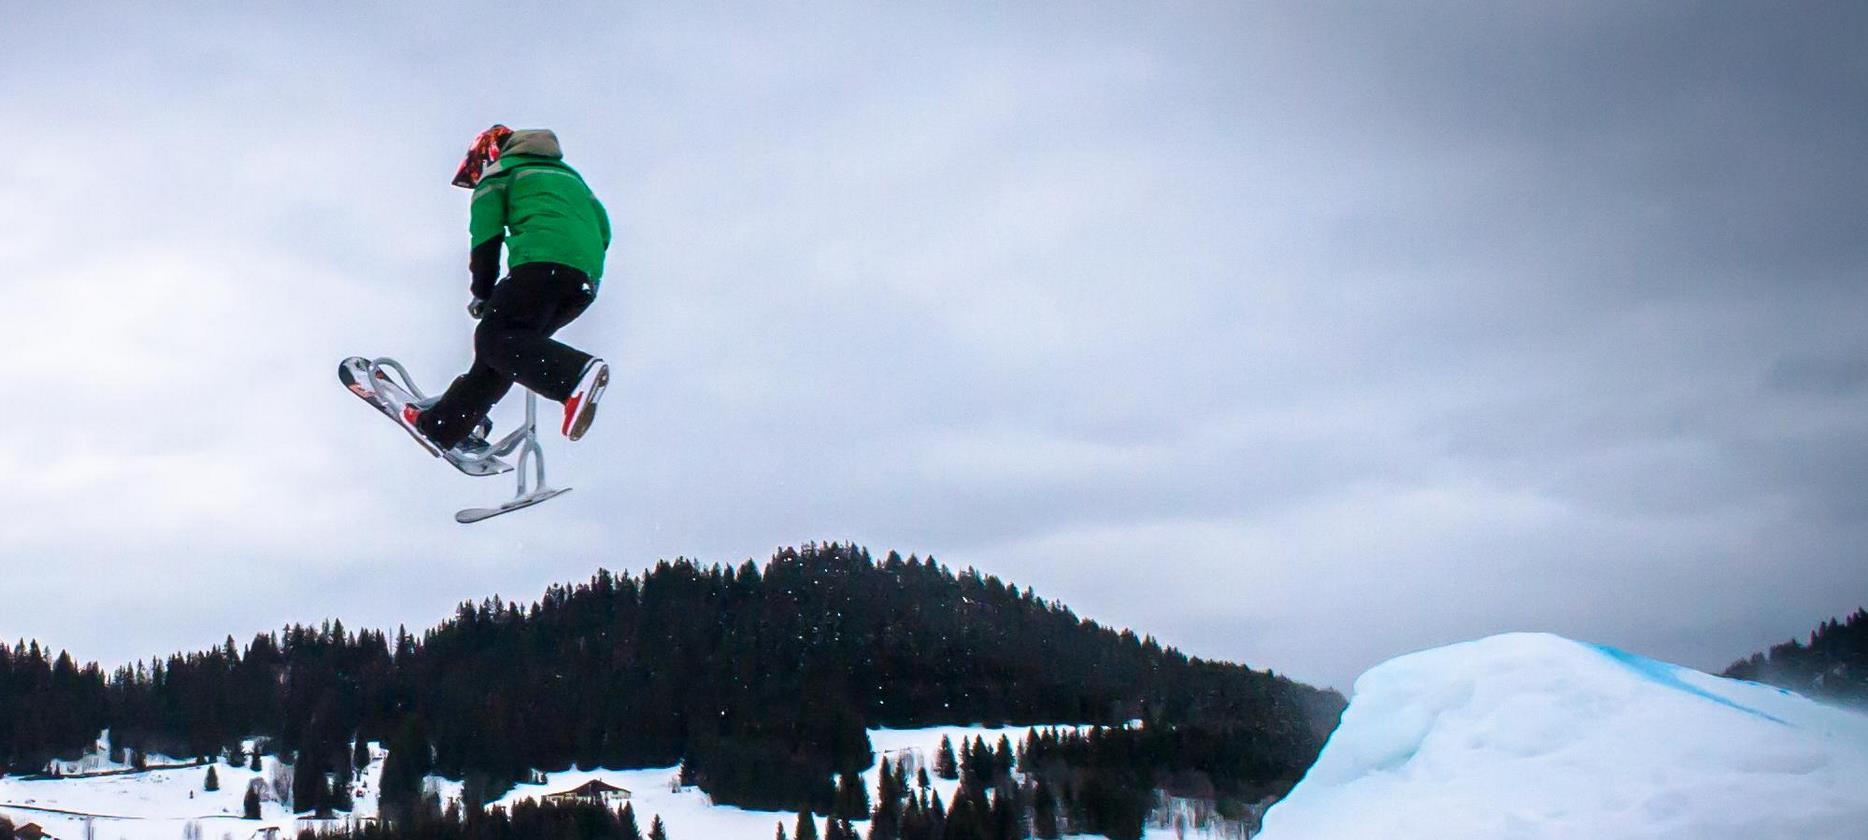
x=541, y=206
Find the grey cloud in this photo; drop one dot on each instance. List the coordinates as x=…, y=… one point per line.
x=1820, y=376
x=1330, y=330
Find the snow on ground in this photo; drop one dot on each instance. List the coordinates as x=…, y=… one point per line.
x=163, y=803
x=100, y=760
x=689, y=814
x=1535, y=736
x=160, y=803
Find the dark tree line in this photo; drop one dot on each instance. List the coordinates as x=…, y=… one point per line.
x=48, y=705
x=1833, y=664
x=759, y=681
x=1055, y=783
x=527, y=820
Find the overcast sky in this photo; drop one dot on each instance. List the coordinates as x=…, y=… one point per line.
x=1301, y=335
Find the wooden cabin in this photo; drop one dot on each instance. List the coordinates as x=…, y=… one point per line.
x=593, y=792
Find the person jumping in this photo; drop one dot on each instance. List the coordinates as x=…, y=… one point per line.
x=555, y=233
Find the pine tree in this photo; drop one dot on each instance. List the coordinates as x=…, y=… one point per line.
x=407, y=766
x=309, y=792
x=1044, y=812
x=250, y=805
x=340, y=790
x=214, y=780
x=964, y=821
x=914, y=821
x=656, y=832
x=360, y=755
x=945, y=765
x=1005, y=819
x=781, y=833
x=255, y=766
x=885, y=822
x=1076, y=810
x=852, y=800
x=627, y=820
x=971, y=771
x=807, y=827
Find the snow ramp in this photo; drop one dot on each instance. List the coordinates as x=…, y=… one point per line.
x=1529, y=735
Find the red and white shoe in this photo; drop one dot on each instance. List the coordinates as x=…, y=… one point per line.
x=473, y=444
x=581, y=408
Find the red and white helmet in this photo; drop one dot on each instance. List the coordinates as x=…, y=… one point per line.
x=485, y=150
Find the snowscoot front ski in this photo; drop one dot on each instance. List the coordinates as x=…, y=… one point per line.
x=370, y=380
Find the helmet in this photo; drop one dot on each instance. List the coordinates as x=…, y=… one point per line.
x=485, y=150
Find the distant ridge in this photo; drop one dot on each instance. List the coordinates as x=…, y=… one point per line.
x=1833, y=665
x=760, y=681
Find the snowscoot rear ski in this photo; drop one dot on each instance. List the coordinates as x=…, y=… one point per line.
x=530, y=455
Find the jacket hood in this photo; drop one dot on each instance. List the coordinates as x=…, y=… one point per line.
x=533, y=142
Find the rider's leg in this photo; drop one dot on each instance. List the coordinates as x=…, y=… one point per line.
x=515, y=334
x=472, y=394
x=513, y=342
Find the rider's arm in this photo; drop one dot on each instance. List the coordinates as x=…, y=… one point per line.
x=483, y=264
x=486, y=227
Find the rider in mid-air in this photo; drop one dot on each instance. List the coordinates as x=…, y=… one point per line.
x=555, y=233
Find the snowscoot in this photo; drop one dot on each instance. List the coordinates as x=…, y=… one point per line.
x=371, y=380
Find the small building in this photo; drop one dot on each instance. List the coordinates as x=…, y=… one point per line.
x=907, y=759
x=593, y=792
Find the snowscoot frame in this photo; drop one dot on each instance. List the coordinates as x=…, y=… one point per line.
x=532, y=488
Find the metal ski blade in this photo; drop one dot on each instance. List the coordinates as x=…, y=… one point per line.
x=479, y=467
x=472, y=515
x=373, y=386
x=385, y=396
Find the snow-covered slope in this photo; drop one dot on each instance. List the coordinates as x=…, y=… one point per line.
x=690, y=815
x=161, y=803
x=166, y=804
x=1536, y=736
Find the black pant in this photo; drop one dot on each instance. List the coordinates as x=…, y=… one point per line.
x=513, y=343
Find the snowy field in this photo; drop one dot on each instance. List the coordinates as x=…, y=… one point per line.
x=171, y=804
x=1532, y=736
x=689, y=815
x=160, y=803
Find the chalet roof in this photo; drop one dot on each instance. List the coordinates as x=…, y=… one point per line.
x=592, y=788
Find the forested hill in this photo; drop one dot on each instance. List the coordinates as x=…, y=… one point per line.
x=760, y=681
x=1833, y=665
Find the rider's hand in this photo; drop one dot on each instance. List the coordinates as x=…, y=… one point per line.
x=476, y=308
